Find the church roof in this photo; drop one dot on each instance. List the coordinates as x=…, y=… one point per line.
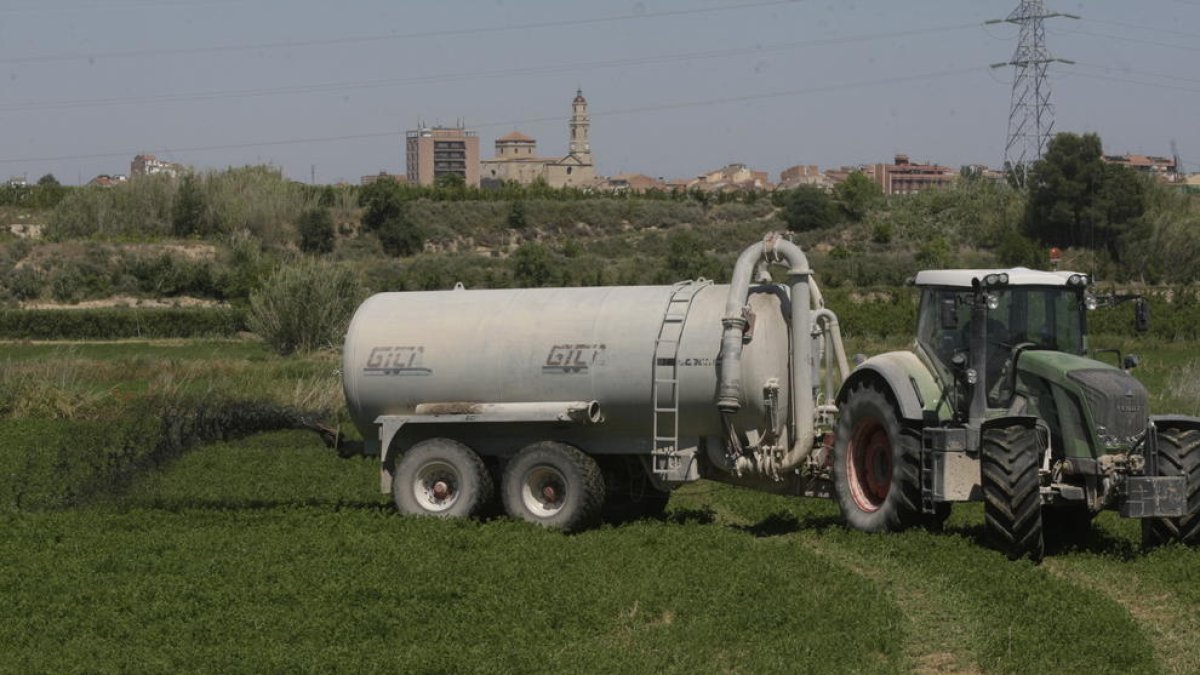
x=515, y=136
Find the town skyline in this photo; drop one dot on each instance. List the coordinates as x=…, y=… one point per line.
x=676, y=88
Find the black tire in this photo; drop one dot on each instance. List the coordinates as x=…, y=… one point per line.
x=441, y=477
x=1178, y=455
x=631, y=495
x=876, y=465
x=555, y=485
x=1012, y=508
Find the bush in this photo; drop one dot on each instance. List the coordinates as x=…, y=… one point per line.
x=25, y=283
x=808, y=208
x=316, y=231
x=305, y=306
x=114, y=323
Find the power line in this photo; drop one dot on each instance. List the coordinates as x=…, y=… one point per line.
x=44, y=8
x=1125, y=71
x=1152, y=29
x=1161, y=85
x=846, y=86
x=137, y=53
x=454, y=77
x=1122, y=38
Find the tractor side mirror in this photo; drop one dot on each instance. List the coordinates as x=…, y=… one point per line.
x=1141, y=315
x=948, y=313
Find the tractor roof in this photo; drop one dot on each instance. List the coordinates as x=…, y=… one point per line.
x=1017, y=276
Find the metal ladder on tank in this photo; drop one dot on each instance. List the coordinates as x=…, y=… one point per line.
x=665, y=459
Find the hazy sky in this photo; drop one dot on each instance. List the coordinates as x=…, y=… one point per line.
x=675, y=87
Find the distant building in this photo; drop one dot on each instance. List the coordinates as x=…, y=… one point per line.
x=902, y=177
x=1162, y=168
x=17, y=181
x=432, y=152
x=382, y=175
x=517, y=160
x=148, y=165
x=106, y=180
x=632, y=182
x=802, y=174
x=732, y=177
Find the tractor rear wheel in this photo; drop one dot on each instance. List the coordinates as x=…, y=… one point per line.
x=1012, y=508
x=1178, y=455
x=876, y=465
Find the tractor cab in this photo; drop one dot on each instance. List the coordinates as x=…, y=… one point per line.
x=973, y=325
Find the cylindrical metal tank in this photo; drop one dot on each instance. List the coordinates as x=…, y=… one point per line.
x=559, y=344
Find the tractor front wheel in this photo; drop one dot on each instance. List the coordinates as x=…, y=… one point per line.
x=1178, y=455
x=1012, y=507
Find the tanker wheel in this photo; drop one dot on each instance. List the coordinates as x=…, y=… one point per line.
x=1178, y=455
x=631, y=494
x=441, y=477
x=876, y=465
x=1012, y=508
x=555, y=485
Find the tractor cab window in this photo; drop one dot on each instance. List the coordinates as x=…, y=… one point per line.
x=1041, y=317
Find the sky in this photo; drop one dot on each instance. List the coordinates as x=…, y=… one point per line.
x=675, y=87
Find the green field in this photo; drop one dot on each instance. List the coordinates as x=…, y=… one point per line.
x=271, y=554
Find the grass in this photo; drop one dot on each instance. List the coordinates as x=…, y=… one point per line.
x=271, y=554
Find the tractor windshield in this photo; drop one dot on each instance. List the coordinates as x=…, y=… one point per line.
x=1038, y=317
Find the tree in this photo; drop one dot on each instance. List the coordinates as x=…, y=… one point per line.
x=532, y=265
x=316, y=231
x=1076, y=199
x=48, y=181
x=187, y=213
x=400, y=236
x=857, y=194
x=382, y=200
x=808, y=208
x=687, y=259
x=450, y=181
x=516, y=215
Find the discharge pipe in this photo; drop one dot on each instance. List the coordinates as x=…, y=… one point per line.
x=772, y=249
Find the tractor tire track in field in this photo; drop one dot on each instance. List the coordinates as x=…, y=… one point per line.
x=1170, y=622
x=937, y=627
x=967, y=608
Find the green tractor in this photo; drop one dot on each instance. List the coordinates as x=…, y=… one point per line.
x=999, y=402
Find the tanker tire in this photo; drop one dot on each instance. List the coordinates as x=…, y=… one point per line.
x=1178, y=455
x=465, y=484
x=1012, y=499
x=876, y=465
x=631, y=494
x=554, y=485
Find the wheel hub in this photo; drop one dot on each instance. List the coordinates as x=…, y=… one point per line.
x=441, y=490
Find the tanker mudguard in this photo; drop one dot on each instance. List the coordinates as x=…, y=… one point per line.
x=911, y=383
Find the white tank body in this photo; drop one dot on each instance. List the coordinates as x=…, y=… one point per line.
x=557, y=344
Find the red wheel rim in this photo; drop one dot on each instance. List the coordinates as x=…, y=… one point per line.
x=869, y=464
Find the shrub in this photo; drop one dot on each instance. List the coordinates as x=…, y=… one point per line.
x=112, y=323
x=400, y=236
x=316, y=231
x=808, y=208
x=305, y=306
x=25, y=283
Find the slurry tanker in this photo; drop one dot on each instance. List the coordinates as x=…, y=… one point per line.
x=563, y=403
